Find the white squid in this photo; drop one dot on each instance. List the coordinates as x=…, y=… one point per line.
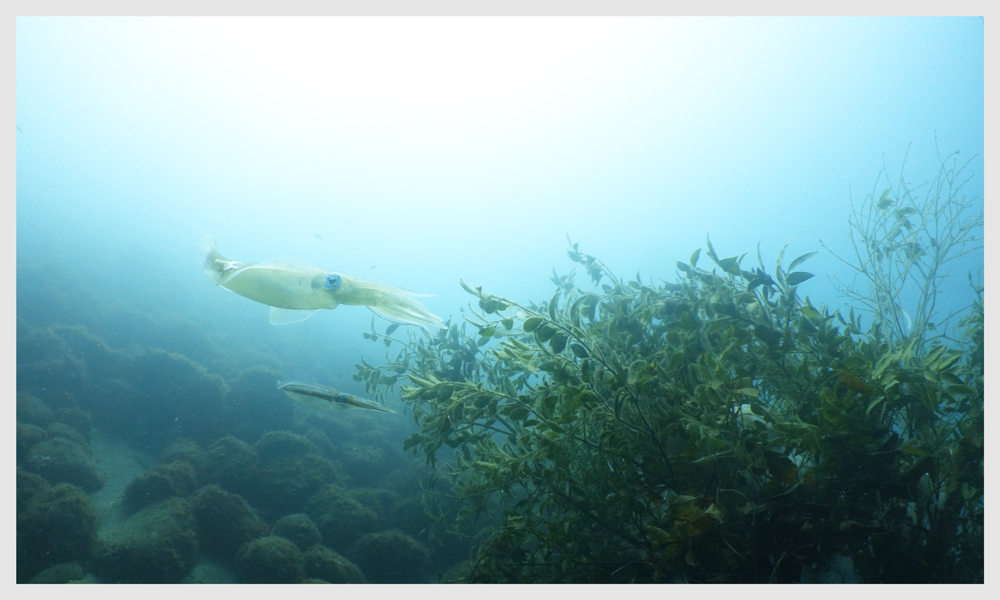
x=296, y=291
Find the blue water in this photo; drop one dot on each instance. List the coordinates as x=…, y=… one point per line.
x=421, y=151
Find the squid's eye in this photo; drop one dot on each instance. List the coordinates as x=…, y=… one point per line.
x=332, y=281
x=342, y=397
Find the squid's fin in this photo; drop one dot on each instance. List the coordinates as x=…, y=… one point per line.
x=218, y=268
x=408, y=318
x=285, y=264
x=212, y=263
x=284, y=316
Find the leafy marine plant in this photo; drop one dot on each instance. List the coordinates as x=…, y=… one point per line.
x=902, y=241
x=717, y=429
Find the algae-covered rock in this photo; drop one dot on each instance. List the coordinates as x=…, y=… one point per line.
x=321, y=441
x=334, y=430
x=179, y=397
x=63, y=461
x=64, y=431
x=234, y=465
x=340, y=519
x=116, y=407
x=271, y=559
x=161, y=482
x=405, y=480
x=225, y=521
x=191, y=339
x=283, y=444
x=364, y=464
x=45, y=362
x=392, y=557
x=286, y=483
x=458, y=573
x=260, y=406
x=291, y=471
x=185, y=450
x=61, y=573
x=32, y=411
x=381, y=501
x=57, y=526
x=323, y=563
x=29, y=487
x=155, y=545
x=102, y=361
x=407, y=515
x=297, y=528
x=77, y=419
x=27, y=437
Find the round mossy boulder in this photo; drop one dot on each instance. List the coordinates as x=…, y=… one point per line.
x=32, y=411
x=234, y=465
x=286, y=483
x=225, y=521
x=27, y=437
x=323, y=563
x=297, y=528
x=159, y=483
x=270, y=559
x=63, y=461
x=185, y=450
x=392, y=557
x=29, y=487
x=341, y=520
x=283, y=444
x=61, y=573
x=155, y=545
x=382, y=501
x=57, y=526
x=364, y=464
x=62, y=430
x=77, y=419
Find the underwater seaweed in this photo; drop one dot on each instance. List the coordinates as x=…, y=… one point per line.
x=902, y=242
x=716, y=429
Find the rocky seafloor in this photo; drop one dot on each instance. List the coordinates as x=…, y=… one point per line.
x=137, y=463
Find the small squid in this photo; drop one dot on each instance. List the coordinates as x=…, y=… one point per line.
x=327, y=398
x=296, y=291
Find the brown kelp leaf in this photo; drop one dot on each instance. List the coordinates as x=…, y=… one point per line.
x=853, y=382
